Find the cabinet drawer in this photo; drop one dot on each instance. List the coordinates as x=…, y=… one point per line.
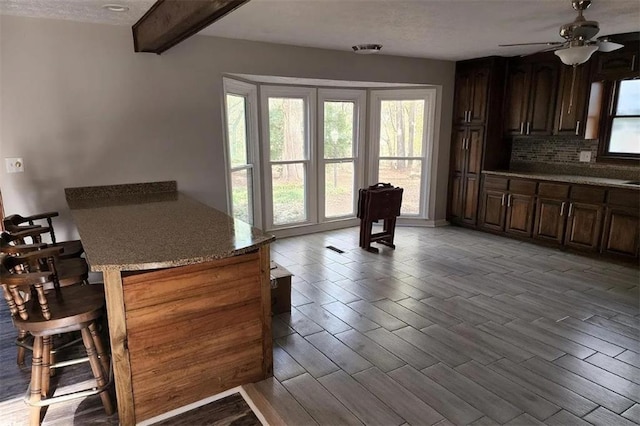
x=524, y=187
x=553, y=190
x=587, y=194
x=624, y=197
x=493, y=182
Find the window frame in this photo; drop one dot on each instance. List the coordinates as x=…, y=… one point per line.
x=358, y=97
x=308, y=95
x=610, y=93
x=250, y=93
x=430, y=96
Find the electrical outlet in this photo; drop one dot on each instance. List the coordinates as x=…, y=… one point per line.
x=14, y=165
x=585, y=156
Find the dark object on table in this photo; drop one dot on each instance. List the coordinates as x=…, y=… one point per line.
x=381, y=201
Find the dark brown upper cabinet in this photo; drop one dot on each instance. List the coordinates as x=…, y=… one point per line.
x=619, y=64
x=532, y=86
x=573, y=100
x=472, y=91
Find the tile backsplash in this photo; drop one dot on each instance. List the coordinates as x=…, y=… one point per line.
x=562, y=156
x=554, y=150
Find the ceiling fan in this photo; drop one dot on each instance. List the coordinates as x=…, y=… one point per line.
x=578, y=45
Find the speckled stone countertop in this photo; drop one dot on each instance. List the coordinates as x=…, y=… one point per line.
x=582, y=180
x=125, y=228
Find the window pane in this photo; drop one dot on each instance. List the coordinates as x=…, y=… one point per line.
x=338, y=129
x=338, y=188
x=401, y=128
x=289, y=200
x=405, y=174
x=286, y=129
x=625, y=136
x=629, y=98
x=237, y=129
x=242, y=195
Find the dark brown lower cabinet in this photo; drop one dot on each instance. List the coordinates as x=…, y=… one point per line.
x=520, y=210
x=550, y=220
x=621, y=234
x=584, y=226
x=493, y=210
x=587, y=218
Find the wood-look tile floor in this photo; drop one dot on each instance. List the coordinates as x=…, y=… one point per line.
x=453, y=327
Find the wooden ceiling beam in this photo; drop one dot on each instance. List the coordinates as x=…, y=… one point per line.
x=168, y=22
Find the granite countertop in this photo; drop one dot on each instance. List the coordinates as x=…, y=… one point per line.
x=141, y=231
x=582, y=180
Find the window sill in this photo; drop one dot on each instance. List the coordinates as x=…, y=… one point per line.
x=619, y=159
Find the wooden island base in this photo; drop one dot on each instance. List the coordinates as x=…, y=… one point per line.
x=191, y=332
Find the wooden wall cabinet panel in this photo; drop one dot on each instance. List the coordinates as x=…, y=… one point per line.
x=532, y=86
x=621, y=234
x=477, y=141
x=573, y=97
x=472, y=90
x=584, y=226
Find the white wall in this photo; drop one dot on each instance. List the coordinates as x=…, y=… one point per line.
x=81, y=108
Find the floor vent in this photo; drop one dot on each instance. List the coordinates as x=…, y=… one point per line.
x=336, y=249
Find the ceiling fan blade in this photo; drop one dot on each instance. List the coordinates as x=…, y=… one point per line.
x=607, y=46
x=548, y=43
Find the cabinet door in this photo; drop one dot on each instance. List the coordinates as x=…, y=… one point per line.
x=464, y=93
x=617, y=65
x=519, y=218
x=571, y=109
x=515, y=113
x=475, y=143
x=621, y=234
x=455, y=198
x=480, y=96
x=550, y=220
x=470, y=199
x=492, y=213
x=458, y=151
x=584, y=224
x=543, y=90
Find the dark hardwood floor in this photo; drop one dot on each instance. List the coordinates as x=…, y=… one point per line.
x=453, y=327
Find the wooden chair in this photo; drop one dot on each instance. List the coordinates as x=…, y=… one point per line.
x=68, y=272
x=48, y=313
x=16, y=224
x=381, y=201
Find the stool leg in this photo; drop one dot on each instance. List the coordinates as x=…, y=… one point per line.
x=36, y=380
x=100, y=349
x=96, y=367
x=46, y=364
x=22, y=336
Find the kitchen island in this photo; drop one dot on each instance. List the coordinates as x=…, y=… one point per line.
x=187, y=291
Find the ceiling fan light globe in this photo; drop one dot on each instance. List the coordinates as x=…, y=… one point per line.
x=575, y=55
x=608, y=46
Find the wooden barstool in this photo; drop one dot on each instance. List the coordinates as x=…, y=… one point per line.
x=47, y=313
x=15, y=224
x=69, y=272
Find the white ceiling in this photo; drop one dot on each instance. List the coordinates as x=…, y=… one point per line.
x=439, y=29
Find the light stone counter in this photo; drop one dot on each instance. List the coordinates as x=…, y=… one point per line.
x=152, y=226
x=581, y=180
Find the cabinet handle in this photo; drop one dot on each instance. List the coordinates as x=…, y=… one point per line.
x=466, y=116
x=522, y=127
x=469, y=119
x=577, y=128
x=528, y=127
x=502, y=203
x=562, y=209
x=509, y=201
x=570, y=210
